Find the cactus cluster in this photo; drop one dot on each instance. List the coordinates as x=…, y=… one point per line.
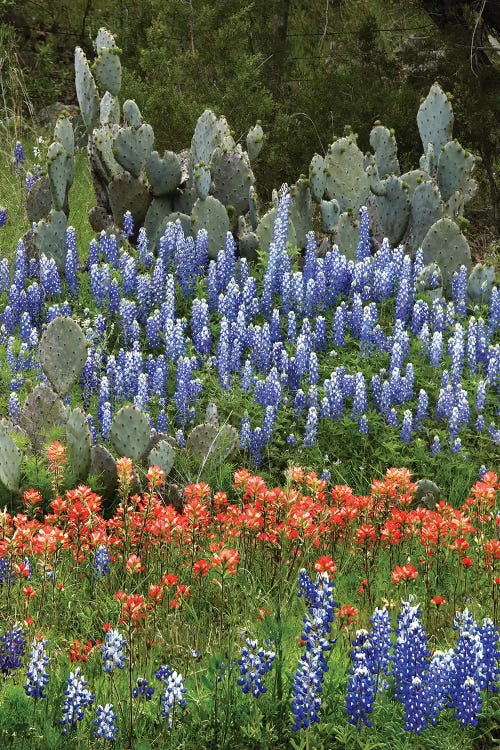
x=62, y=354
x=207, y=186
x=47, y=204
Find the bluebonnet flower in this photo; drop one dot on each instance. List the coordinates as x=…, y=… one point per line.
x=311, y=428
x=143, y=690
x=489, y=666
x=12, y=647
x=254, y=663
x=3, y=216
x=105, y=727
x=36, y=674
x=113, y=654
x=173, y=693
x=101, y=562
x=465, y=693
x=19, y=155
x=128, y=224
x=76, y=700
x=364, y=245
x=360, y=693
x=14, y=407
x=459, y=290
x=49, y=277
x=308, y=679
x=7, y=575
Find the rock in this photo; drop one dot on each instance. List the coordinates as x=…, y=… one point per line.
x=48, y=116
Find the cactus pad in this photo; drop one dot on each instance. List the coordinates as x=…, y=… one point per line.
x=346, y=179
x=162, y=455
x=132, y=113
x=435, y=119
x=10, y=462
x=86, y=91
x=202, y=180
x=206, y=442
x=480, y=284
x=428, y=493
x=264, y=231
x=104, y=40
x=60, y=173
x=109, y=110
x=211, y=215
x=454, y=168
x=206, y=138
x=79, y=443
x=232, y=177
x=108, y=70
x=50, y=234
x=255, y=141
x=39, y=200
x=63, y=353
x=393, y=208
x=164, y=174
x=212, y=414
x=445, y=245
x=103, y=466
x=346, y=235
x=383, y=143
x=132, y=146
x=41, y=410
x=301, y=211
x=128, y=193
x=426, y=209
x=154, y=223
x=130, y=432
x=63, y=132
x=330, y=212
x=317, y=177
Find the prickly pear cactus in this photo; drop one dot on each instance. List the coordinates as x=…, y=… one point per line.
x=346, y=180
x=346, y=235
x=430, y=281
x=428, y=493
x=129, y=193
x=103, y=466
x=384, y=144
x=41, y=410
x=330, y=212
x=10, y=462
x=49, y=237
x=211, y=215
x=454, y=168
x=212, y=414
x=480, y=284
x=109, y=109
x=79, y=442
x=39, y=200
x=426, y=209
x=162, y=455
x=132, y=113
x=206, y=442
x=206, y=138
x=164, y=174
x=86, y=91
x=232, y=177
x=59, y=165
x=130, y=432
x=133, y=146
x=255, y=141
x=264, y=230
x=393, y=208
x=317, y=177
x=63, y=353
x=301, y=211
x=445, y=245
x=435, y=119
x=108, y=70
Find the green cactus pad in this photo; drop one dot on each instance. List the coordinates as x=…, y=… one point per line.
x=232, y=177
x=253, y=207
x=393, y=208
x=454, y=207
x=211, y=215
x=164, y=174
x=480, y=284
x=41, y=410
x=208, y=443
x=454, y=168
x=63, y=353
x=154, y=223
x=50, y=235
x=212, y=414
x=426, y=209
x=413, y=179
x=60, y=171
x=346, y=179
x=301, y=211
x=384, y=144
x=445, y=245
x=330, y=212
x=104, y=40
x=132, y=146
x=103, y=141
x=130, y=432
x=128, y=193
x=317, y=177
x=427, y=161
x=264, y=231
x=427, y=493
x=10, y=462
x=132, y=113
x=79, y=442
x=39, y=200
x=206, y=138
x=435, y=119
x=63, y=132
x=109, y=110
x=202, y=180
x=86, y=91
x=103, y=466
x=224, y=138
x=162, y=455
x=108, y=70
x=346, y=235
x=255, y=141
x=248, y=245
